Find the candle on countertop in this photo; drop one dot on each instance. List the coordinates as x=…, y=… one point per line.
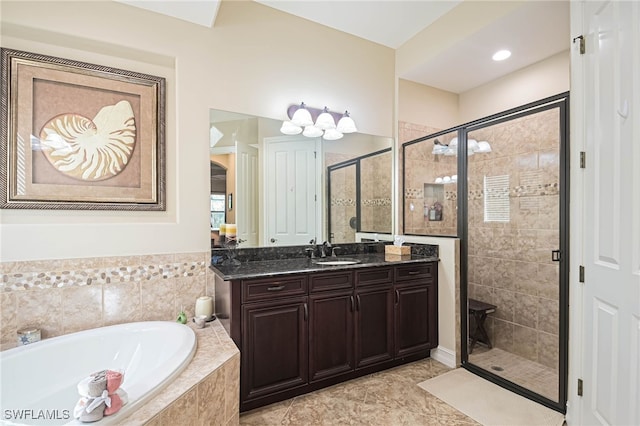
x=231, y=231
x=204, y=306
x=222, y=232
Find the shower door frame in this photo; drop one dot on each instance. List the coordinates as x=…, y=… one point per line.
x=560, y=101
x=342, y=165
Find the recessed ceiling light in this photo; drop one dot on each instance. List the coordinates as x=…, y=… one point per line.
x=501, y=55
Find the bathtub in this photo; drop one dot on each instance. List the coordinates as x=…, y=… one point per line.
x=39, y=380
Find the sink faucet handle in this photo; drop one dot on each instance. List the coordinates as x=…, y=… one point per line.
x=311, y=252
x=313, y=241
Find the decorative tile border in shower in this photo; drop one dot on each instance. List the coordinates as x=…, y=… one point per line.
x=414, y=193
x=377, y=202
x=343, y=202
x=50, y=278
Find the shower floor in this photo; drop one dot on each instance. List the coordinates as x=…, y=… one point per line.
x=528, y=374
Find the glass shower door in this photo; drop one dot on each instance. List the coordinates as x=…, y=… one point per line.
x=515, y=226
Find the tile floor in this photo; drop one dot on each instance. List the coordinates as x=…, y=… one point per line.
x=390, y=397
x=531, y=375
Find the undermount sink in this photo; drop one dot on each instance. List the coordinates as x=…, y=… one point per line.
x=332, y=261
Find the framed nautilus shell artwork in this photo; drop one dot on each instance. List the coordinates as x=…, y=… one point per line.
x=80, y=136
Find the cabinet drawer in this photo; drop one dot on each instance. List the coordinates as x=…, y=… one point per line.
x=374, y=276
x=414, y=271
x=330, y=281
x=270, y=288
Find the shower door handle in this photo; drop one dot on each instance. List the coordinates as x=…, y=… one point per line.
x=555, y=255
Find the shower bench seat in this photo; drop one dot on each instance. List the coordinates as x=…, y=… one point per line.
x=480, y=310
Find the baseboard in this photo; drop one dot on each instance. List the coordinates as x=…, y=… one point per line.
x=445, y=356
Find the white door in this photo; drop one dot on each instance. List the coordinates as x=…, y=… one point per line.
x=247, y=194
x=292, y=179
x=607, y=328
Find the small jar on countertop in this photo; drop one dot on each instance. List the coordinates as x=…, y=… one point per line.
x=28, y=335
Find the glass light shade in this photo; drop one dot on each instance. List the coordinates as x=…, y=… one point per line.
x=288, y=128
x=472, y=145
x=325, y=120
x=302, y=117
x=450, y=152
x=453, y=143
x=346, y=124
x=312, y=132
x=332, y=135
x=483, y=147
x=439, y=149
x=438, y=180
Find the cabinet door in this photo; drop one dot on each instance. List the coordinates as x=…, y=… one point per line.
x=415, y=322
x=330, y=334
x=374, y=325
x=274, y=347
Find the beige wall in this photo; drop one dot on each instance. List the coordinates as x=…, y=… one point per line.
x=543, y=79
x=425, y=105
x=249, y=62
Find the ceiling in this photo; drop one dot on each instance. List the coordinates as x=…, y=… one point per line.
x=534, y=31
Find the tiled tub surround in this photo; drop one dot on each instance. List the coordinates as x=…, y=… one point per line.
x=205, y=393
x=69, y=295
x=64, y=296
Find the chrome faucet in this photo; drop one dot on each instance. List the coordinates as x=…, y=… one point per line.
x=323, y=250
x=311, y=251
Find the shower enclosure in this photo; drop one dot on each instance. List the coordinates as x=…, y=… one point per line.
x=359, y=196
x=508, y=204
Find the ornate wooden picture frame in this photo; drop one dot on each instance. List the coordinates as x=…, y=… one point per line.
x=80, y=136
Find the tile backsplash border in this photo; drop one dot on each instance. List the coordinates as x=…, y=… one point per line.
x=68, y=295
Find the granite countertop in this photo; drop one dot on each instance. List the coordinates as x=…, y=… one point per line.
x=268, y=268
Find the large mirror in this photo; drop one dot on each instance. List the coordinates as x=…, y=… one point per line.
x=287, y=190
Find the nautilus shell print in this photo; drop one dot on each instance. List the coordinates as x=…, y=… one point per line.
x=91, y=150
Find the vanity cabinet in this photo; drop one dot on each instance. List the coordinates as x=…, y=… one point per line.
x=416, y=328
x=331, y=324
x=301, y=332
x=374, y=313
x=274, y=334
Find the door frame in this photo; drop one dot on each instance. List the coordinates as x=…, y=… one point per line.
x=558, y=101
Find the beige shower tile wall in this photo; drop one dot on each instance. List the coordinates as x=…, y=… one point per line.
x=69, y=295
x=422, y=167
x=375, y=193
x=510, y=262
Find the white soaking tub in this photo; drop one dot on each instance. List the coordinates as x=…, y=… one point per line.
x=39, y=381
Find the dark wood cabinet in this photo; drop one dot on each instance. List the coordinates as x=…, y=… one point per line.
x=416, y=327
x=302, y=332
x=274, y=347
x=330, y=334
x=374, y=325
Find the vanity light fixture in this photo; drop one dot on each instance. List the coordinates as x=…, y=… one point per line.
x=325, y=120
x=317, y=122
x=288, y=128
x=501, y=55
x=346, y=124
x=302, y=116
x=451, y=149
